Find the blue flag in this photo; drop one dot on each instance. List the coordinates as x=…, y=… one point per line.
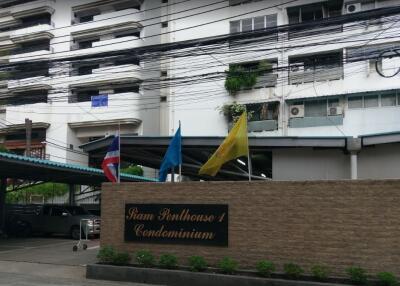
x=173, y=157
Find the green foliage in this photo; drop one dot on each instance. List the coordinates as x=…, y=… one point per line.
x=234, y=110
x=238, y=77
x=228, y=265
x=133, y=170
x=47, y=190
x=145, y=258
x=121, y=258
x=265, y=268
x=357, y=275
x=387, y=279
x=3, y=149
x=320, y=272
x=106, y=254
x=292, y=270
x=168, y=261
x=197, y=263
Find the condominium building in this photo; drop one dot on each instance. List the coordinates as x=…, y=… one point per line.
x=317, y=69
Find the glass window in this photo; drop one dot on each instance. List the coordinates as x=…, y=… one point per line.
x=259, y=23
x=315, y=108
x=333, y=102
x=355, y=102
x=272, y=21
x=371, y=101
x=388, y=99
x=235, y=26
x=247, y=25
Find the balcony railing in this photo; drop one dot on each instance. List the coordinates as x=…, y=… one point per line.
x=315, y=75
x=263, y=125
x=266, y=80
x=25, y=50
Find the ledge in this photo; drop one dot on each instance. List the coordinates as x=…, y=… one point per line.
x=97, y=123
x=184, y=278
x=316, y=121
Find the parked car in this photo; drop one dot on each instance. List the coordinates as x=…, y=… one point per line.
x=24, y=220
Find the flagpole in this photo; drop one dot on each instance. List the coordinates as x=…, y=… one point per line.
x=119, y=148
x=180, y=151
x=249, y=164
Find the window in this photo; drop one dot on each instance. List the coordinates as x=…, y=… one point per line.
x=130, y=88
x=163, y=99
x=87, y=43
x=164, y=24
x=263, y=111
x=355, y=102
x=86, y=69
x=127, y=34
x=83, y=95
x=28, y=97
x=371, y=101
x=164, y=73
x=164, y=1
x=315, y=108
x=333, y=102
x=251, y=24
x=388, y=99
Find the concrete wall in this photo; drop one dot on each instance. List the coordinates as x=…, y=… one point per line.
x=310, y=164
x=334, y=223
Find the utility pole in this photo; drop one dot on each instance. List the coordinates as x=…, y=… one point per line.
x=28, y=128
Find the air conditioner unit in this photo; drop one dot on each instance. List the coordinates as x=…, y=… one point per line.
x=332, y=111
x=353, y=8
x=296, y=111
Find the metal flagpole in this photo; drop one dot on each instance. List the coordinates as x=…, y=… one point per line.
x=249, y=164
x=119, y=149
x=180, y=165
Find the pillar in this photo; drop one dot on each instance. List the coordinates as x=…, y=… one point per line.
x=353, y=147
x=71, y=197
x=353, y=165
x=3, y=190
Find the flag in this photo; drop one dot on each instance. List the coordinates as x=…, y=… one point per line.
x=173, y=157
x=235, y=145
x=111, y=161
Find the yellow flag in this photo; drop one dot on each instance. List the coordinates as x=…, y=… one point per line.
x=235, y=145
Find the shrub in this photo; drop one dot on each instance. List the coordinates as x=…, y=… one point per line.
x=228, y=265
x=265, y=268
x=292, y=270
x=168, y=261
x=387, y=279
x=197, y=263
x=357, y=275
x=145, y=258
x=106, y=254
x=121, y=258
x=320, y=272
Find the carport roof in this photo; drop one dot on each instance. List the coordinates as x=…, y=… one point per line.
x=28, y=168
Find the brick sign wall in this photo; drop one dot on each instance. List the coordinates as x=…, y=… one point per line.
x=336, y=223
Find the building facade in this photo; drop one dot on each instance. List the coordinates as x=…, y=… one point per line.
x=305, y=79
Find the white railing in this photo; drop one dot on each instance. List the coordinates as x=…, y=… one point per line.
x=133, y=14
x=30, y=30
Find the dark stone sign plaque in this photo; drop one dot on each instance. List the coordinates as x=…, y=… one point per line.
x=177, y=223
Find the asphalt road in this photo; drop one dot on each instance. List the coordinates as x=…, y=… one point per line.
x=47, y=261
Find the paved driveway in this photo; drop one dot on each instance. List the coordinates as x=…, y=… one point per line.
x=47, y=261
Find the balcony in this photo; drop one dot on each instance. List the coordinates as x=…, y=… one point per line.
x=131, y=14
x=263, y=125
x=38, y=82
x=32, y=8
x=316, y=121
x=40, y=31
x=119, y=43
x=316, y=75
x=107, y=75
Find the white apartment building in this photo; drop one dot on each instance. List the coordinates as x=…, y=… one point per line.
x=320, y=82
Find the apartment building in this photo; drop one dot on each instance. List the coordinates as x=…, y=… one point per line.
x=307, y=79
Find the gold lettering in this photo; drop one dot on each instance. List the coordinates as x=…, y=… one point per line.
x=134, y=214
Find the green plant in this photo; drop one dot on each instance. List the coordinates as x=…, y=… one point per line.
x=357, y=275
x=263, y=67
x=133, y=170
x=106, y=254
x=197, y=263
x=265, y=268
x=47, y=190
x=387, y=279
x=168, y=261
x=121, y=258
x=238, y=78
x=234, y=110
x=320, y=272
x=145, y=258
x=292, y=270
x=228, y=265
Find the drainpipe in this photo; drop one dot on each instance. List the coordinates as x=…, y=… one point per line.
x=353, y=147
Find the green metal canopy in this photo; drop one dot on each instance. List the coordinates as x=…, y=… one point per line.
x=28, y=168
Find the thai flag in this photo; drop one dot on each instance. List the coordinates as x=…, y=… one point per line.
x=111, y=161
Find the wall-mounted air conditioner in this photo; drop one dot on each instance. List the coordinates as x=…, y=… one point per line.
x=332, y=111
x=353, y=8
x=296, y=111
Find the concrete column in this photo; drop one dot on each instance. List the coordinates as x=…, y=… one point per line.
x=353, y=147
x=71, y=198
x=353, y=165
x=3, y=190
